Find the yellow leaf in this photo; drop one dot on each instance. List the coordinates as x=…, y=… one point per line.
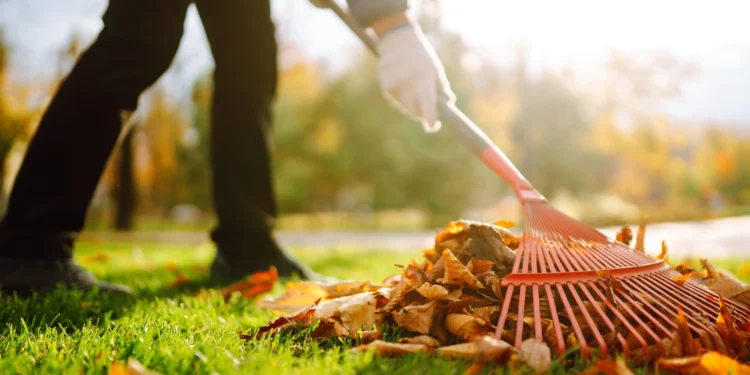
x=711, y=363
x=641, y=235
x=505, y=223
x=625, y=235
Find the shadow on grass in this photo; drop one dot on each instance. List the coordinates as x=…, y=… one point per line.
x=70, y=309
x=64, y=308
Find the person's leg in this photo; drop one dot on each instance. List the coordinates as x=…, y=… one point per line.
x=77, y=133
x=243, y=43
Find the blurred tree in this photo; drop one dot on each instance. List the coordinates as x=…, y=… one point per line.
x=15, y=117
x=555, y=139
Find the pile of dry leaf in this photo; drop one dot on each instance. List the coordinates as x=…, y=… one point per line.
x=446, y=305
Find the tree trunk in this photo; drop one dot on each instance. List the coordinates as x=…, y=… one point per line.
x=125, y=188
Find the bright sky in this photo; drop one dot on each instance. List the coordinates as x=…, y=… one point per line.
x=576, y=33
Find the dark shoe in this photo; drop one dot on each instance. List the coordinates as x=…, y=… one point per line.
x=25, y=276
x=230, y=270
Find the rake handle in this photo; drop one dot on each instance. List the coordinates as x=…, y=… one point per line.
x=469, y=133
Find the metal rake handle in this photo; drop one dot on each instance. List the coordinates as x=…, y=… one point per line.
x=471, y=136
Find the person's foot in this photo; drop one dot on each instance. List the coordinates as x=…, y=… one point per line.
x=26, y=276
x=229, y=270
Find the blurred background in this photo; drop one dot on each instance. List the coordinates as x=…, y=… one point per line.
x=612, y=110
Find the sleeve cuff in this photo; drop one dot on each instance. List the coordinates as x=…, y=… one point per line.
x=367, y=11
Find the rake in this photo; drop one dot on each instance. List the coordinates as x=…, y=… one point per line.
x=557, y=276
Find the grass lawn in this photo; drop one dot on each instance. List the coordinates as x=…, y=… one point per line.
x=170, y=331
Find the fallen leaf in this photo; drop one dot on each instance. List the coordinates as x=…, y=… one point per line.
x=684, y=344
x=359, y=312
x=490, y=350
x=681, y=279
x=641, y=235
x=608, y=367
x=302, y=318
x=171, y=266
x=438, y=292
x=536, y=354
x=625, y=235
x=505, y=224
x=366, y=337
x=664, y=252
x=416, y=318
x=255, y=284
x=468, y=327
x=479, y=266
x=390, y=349
x=725, y=284
x=467, y=350
x=711, y=363
x=328, y=327
x=133, y=367
x=180, y=281
x=456, y=273
x=296, y=296
x=429, y=341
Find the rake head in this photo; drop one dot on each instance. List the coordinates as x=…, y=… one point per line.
x=557, y=292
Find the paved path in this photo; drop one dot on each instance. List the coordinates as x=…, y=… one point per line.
x=720, y=238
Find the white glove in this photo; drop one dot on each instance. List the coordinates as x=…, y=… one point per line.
x=412, y=76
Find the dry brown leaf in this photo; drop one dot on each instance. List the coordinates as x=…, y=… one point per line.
x=681, y=279
x=725, y=284
x=329, y=327
x=467, y=350
x=711, y=363
x=664, y=255
x=729, y=331
x=390, y=349
x=641, y=236
x=301, y=318
x=132, y=368
x=366, y=337
x=684, y=344
x=452, y=230
x=536, y=354
x=301, y=294
x=180, y=281
x=456, y=273
x=416, y=318
x=421, y=339
x=479, y=266
x=490, y=350
x=438, y=292
x=255, y=284
x=608, y=367
x=625, y=235
x=358, y=312
x=468, y=327
x=486, y=312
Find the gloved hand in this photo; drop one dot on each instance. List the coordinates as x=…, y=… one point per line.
x=412, y=75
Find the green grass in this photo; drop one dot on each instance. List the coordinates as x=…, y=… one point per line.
x=170, y=331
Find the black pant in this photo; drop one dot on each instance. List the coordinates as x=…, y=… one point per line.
x=68, y=153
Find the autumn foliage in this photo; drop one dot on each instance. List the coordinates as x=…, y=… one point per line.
x=448, y=305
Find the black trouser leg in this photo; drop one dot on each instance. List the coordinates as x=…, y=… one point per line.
x=241, y=35
x=68, y=153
